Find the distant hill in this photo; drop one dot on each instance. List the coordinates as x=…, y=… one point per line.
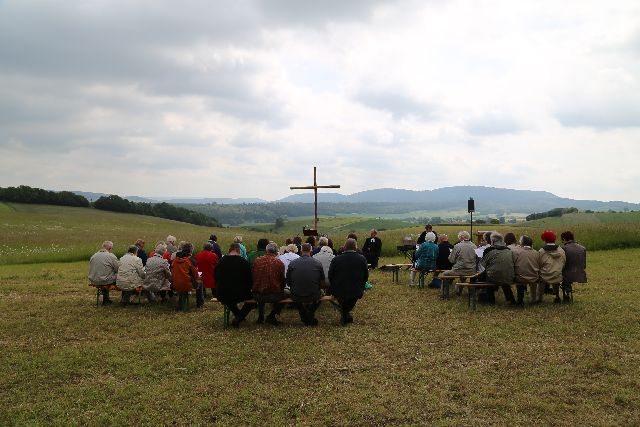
x=92, y=197
x=488, y=199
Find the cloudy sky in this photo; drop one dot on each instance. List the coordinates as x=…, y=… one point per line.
x=242, y=98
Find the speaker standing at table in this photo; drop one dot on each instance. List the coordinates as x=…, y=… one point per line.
x=372, y=249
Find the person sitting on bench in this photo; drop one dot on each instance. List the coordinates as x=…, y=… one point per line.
x=233, y=284
x=305, y=277
x=268, y=283
x=552, y=260
x=158, y=275
x=130, y=274
x=498, y=268
x=103, y=269
x=348, y=273
x=575, y=266
x=526, y=263
x=426, y=256
x=184, y=276
x=463, y=257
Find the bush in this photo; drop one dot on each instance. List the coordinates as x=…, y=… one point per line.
x=160, y=210
x=26, y=194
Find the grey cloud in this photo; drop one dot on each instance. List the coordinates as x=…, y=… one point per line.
x=295, y=12
x=398, y=104
x=601, y=114
x=493, y=124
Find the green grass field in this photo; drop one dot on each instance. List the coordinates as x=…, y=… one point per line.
x=409, y=358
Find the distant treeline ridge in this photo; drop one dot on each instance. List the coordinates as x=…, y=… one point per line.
x=113, y=203
x=551, y=213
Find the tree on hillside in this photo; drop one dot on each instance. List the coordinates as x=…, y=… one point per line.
x=279, y=222
x=26, y=194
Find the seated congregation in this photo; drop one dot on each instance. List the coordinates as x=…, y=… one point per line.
x=501, y=262
x=298, y=272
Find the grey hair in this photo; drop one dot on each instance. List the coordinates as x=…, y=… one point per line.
x=323, y=241
x=464, y=235
x=291, y=247
x=133, y=249
x=171, y=238
x=161, y=248
x=181, y=244
x=430, y=236
x=237, y=239
x=272, y=248
x=496, y=238
x=351, y=245
x=526, y=240
x=107, y=244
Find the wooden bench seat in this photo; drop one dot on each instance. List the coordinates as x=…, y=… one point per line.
x=395, y=269
x=114, y=287
x=448, y=280
x=227, y=312
x=473, y=291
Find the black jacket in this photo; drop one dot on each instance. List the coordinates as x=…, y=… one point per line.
x=233, y=280
x=348, y=274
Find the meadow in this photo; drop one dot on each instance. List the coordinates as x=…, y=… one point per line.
x=39, y=233
x=409, y=358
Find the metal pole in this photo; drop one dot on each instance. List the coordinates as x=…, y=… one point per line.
x=471, y=225
x=315, y=200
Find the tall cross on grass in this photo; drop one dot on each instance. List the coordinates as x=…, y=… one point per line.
x=314, y=187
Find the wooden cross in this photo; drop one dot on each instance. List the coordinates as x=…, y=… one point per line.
x=315, y=187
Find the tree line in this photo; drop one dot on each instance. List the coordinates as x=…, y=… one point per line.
x=551, y=213
x=113, y=203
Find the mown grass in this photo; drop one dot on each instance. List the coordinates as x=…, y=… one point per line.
x=409, y=358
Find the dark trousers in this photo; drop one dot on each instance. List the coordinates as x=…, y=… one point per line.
x=126, y=297
x=520, y=291
x=307, y=311
x=241, y=313
x=347, y=304
x=105, y=295
x=508, y=293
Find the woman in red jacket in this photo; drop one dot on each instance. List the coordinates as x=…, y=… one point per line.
x=207, y=261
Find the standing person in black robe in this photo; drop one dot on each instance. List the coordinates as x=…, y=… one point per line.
x=233, y=283
x=372, y=249
x=427, y=229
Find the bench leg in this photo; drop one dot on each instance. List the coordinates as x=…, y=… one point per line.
x=473, y=298
x=225, y=318
x=421, y=280
x=445, y=288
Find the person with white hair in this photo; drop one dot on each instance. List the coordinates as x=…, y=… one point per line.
x=158, y=275
x=171, y=244
x=130, y=274
x=463, y=256
x=426, y=256
x=289, y=255
x=325, y=256
x=103, y=269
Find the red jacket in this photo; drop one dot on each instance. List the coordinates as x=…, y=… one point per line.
x=207, y=262
x=184, y=274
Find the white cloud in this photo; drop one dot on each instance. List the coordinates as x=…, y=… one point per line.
x=241, y=99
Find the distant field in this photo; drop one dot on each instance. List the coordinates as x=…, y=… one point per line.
x=37, y=233
x=409, y=358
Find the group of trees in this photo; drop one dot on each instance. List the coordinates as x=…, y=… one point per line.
x=161, y=210
x=551, y=213
x=26, y=194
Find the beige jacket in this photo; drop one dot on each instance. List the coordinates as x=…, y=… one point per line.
x=552, y=259
x=103, y=268
x=157, y=274
x=526, y=261
x=131, y=273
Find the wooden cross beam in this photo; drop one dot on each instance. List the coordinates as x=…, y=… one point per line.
x=314, y=187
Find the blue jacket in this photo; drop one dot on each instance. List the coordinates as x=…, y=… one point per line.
x=426, y=256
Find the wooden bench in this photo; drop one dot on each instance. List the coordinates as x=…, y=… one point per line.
x=99, y=289
x=473, y=291
x=395, y=269
x=226, y=315
x=447, y=281
x=423, y=273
